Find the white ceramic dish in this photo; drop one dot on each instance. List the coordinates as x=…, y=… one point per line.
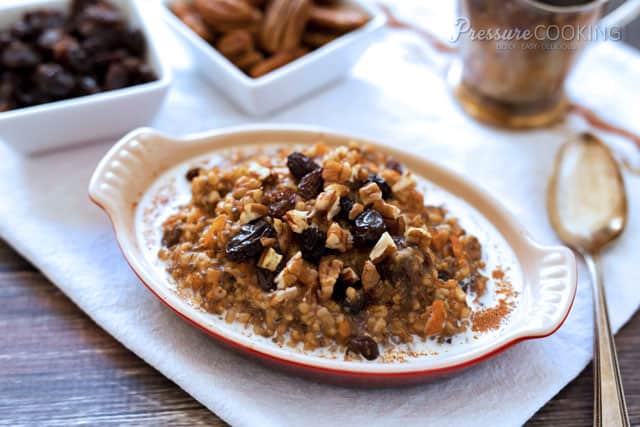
x=87, y=118
x=145, y=167
x=286, y=84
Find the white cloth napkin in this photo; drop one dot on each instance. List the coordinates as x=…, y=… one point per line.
x=392, y=96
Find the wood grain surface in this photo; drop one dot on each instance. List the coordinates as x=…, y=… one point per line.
x=58, y=368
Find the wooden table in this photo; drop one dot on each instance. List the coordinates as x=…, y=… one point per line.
x=58, y=368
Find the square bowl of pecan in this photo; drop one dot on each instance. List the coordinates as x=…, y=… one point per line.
x=76, y=71
x=265, y=54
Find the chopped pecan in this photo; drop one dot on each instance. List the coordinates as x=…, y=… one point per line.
x=328, y=271
x=283, y=232
x=338, y=238
x=253, y=211
x=407, y=181
x=387, y=210
x=370, y=193
x=335, y=171
x=297, y=220
x=349, y=275
x=317, y=39
x=284, y=24
x=370, y=276
x=355, y=211
x=270, y=259
x=385, y=247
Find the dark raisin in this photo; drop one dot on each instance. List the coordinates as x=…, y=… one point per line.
x=339, y=291
x=312, y=241
x=346, y=204
x=266, y=279
x=19, y=55
x=54, y=80
x=394, y=165
x=171, y=236
x=311, y=184
x=246, y=243
x=192, y=173
x=41, y=20
x=135, y=43
x=299, y=165
x=444, y=275
x=382, y=184
x=368, y=227
x=49, y=38
x=280, y=202
x=117, y=77
x=87, y=85
x=70, y=54
x=364, y=346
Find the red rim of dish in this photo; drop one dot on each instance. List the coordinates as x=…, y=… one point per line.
x=239, y=346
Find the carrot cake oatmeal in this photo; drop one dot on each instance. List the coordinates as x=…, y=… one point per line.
x=325, y=247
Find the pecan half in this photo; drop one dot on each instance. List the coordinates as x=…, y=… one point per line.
x=276, y=61
x=227, y=15
x=283, y=25
x=235, y=43
x=190, y=17
x=337, y=18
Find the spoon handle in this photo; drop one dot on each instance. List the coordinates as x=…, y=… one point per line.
x=610, y=408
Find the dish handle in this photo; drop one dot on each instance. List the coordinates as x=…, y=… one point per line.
x=552, y=292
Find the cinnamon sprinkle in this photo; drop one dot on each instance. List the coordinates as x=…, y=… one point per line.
x=491, y=318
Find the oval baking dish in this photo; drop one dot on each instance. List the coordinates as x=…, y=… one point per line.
x=146, y=166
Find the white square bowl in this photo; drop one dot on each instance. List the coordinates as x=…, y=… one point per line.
x=259, y=96
x=86, y=118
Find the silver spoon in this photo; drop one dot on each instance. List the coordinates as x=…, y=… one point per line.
x=588, y=209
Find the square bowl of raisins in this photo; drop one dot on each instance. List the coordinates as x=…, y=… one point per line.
x=76, y=71
x=265, y=54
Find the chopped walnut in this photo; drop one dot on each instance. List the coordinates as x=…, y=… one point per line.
x=385, y=247
x=370, y=276
x=270, y=259
x=297, y=269
x=259, y=171
x=297, y=220
x=328, y=271
x=338, y=238
x=340, y=189
x=370, y=193
x=325, y=200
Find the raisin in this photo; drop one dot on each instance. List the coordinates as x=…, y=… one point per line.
x=266, y=279
x=19, y=55
x=246, y=243
x=54, y=80
x=280, y=202
x=192, y=173
x=346, y=204
x=364, y=346
x=171, y=236
x=381, y=183
x=368, y=227
x=444, y=275
x=117, y=77
x=49, y=38
x=311, y=184
x=135, y=43
x=312, y=241
x=87, y=85
x=339, y=291
x=394, y=165
x=299, y=165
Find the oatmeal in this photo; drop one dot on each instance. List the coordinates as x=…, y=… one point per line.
x=328, y=247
